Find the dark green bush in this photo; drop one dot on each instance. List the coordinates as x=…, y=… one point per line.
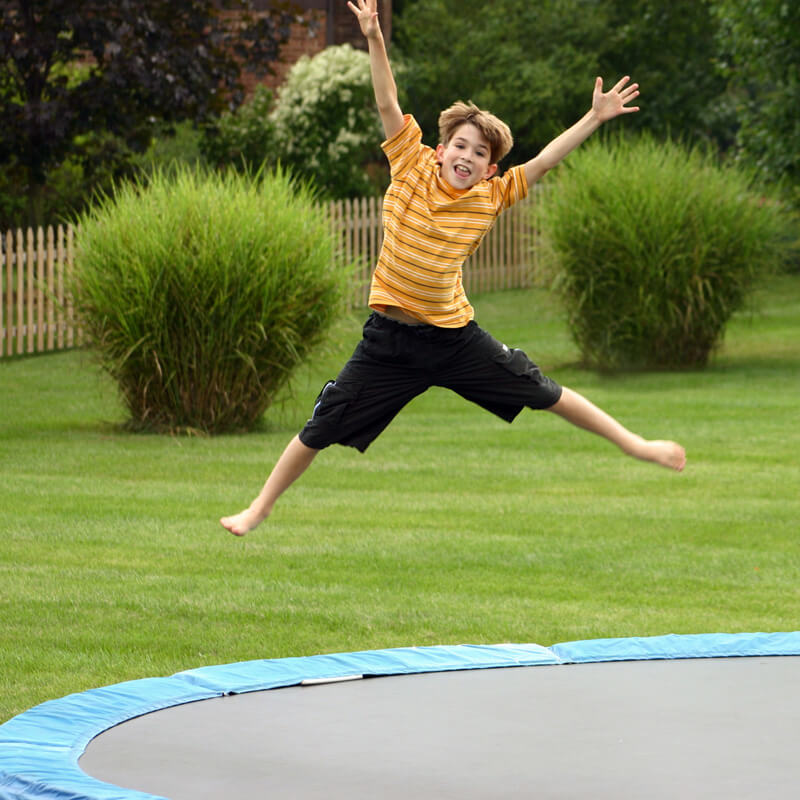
x=202, y=293
x=243, y=139
x=653, y=248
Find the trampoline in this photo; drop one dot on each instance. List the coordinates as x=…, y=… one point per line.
x=700, y=716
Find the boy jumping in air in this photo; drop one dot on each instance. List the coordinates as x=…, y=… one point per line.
x=421, y=332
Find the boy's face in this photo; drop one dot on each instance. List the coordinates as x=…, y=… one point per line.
x=465, y=159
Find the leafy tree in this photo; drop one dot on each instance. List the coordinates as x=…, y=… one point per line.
x=323, y=126
x=532, y=64
x=670, y=49
x=140, y=62
x=760, y=42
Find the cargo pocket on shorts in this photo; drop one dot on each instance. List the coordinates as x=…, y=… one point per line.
x=541, y=391
x=331, y=403
x=328, y=421
x=517, y=362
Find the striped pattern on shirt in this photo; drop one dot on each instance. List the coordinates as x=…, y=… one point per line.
x=430, y=229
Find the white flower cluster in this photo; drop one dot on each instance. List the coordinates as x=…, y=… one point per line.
x=325, y=118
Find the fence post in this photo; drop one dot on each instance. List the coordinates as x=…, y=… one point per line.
x=40, y=266
x=29, y=274
x=7, y=307
x=364, y=223
x=19, y=260
x=4, y=272
x=50, y=286
x=73, y=336
x=60, y=288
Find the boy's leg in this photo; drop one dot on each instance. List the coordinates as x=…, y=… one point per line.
x=576, y=409
x=504, y=381
x=372, y=387
x=291, y=465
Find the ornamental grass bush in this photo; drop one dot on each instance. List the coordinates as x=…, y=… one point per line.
x=653, y=248
x=201, y=293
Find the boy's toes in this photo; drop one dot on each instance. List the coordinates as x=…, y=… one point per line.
x=671, y=455
x=232, y=525
x=243, y=522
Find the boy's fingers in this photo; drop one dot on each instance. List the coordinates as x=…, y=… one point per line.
x=621, y=82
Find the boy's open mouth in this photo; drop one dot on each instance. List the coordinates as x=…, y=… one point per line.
x=462, y=171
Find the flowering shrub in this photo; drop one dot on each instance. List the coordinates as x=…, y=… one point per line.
x=326, y=126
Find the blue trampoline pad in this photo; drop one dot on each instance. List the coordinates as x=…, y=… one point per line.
x=662, y=717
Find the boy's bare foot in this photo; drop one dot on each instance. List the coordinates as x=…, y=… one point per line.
x=239, y=524
x=667, y=454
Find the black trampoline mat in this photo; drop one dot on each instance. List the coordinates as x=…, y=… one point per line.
x=693, y=728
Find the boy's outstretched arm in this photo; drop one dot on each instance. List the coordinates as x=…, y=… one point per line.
x=382, y=78
x=605, y=106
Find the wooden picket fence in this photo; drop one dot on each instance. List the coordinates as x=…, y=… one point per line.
x=36, y=313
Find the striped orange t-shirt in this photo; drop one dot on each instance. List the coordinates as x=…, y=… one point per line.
x=430, y=229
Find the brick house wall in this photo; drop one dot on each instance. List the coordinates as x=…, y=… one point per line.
x=331, y=22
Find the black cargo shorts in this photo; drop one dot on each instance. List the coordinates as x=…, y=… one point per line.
x=394, y=363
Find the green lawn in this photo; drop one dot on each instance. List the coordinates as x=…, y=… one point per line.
x=453, y=528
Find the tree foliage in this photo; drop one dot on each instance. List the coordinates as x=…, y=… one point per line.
x=72, y=68
x=244, y=138
x=532, y=64
x=760, y=53
x=324, y=127
x=670, y=49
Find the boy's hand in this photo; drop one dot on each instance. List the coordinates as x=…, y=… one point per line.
x=367, y=13
x=605, y=106
x=611, y=104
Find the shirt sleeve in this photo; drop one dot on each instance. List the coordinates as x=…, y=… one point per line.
x=404, y=148
x=509, y=189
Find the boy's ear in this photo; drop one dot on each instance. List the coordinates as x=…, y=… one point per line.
x=490, y=171
x=439, y=152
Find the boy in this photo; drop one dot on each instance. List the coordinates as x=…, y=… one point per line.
x=421, y=332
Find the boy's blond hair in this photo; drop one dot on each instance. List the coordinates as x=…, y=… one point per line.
x=494, y=130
